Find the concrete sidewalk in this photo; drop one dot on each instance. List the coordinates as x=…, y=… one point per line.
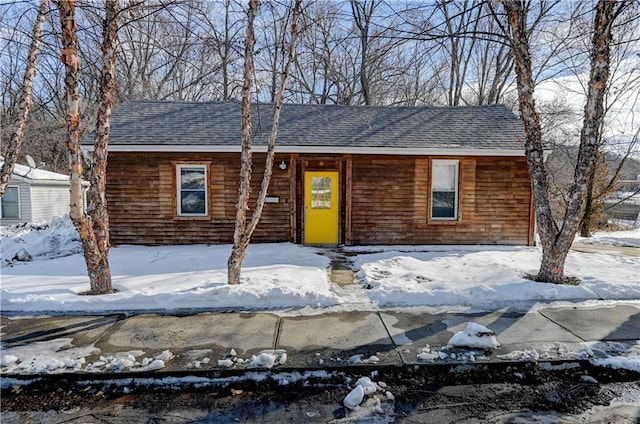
x=633, y=252
x=330, y=341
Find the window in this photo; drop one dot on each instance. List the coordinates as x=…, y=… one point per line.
x=192, y=190
x=320, y=192
x=444, y=189
x=11, y=203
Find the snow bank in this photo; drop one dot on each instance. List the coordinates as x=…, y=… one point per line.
x=283, y=275
x=275, y=276
x=45, y=240
x=489, y=277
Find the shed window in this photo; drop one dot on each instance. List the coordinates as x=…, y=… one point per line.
x=11, y=203
x=192, y=190
x=444, y=189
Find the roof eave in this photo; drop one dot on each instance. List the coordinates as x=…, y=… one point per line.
x=397, y=151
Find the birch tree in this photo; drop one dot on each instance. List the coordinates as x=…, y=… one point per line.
x=243, y=228
x=12, y=149
x=92, y=226
x=556, y=240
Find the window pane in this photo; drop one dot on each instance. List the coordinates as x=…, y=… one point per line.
x=10, y=211
x=10, y=195
x=192, y=178
x=320, y=192
x=192, y=190
x=444, y=204
x=10, y=208
x=193, y=202
x=444, y=177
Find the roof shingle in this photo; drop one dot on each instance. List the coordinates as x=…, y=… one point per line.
x=218, y=124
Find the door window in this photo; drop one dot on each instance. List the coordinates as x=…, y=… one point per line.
x=320, y=192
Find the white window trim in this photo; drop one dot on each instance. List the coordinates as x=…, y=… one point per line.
x=19, y=208
x=456, y=184
x=179, y=186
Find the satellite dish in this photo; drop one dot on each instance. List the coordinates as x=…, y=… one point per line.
x=30, y=161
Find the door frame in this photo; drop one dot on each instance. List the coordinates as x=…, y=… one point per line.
x=310, y=162
x=338, y=204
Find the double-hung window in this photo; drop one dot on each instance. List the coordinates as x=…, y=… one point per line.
x=11, y=203
x=444, y=189
x=192, y=190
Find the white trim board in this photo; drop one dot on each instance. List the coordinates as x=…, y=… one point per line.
x=398, y=151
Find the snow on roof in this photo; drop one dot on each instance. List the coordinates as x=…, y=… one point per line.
x=29, y=173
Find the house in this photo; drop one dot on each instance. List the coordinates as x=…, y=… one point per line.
x=624, y=204
x=34, y=195
x=354, y=175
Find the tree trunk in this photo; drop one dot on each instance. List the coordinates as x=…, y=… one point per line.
x=590, y=135
x=587, y=220
x=243, y=231
x=97, y=192
x=94, y=243
x=12, y=149
x=244, y=192
x=556, y=243
x=226, y=95
x=362, y=13
x=534, y=148
x=552, y=264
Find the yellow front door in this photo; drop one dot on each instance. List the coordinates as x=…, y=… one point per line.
x=321, y=207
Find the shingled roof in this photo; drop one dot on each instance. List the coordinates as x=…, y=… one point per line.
x=215, y=126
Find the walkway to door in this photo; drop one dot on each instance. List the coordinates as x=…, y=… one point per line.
x=341, y=266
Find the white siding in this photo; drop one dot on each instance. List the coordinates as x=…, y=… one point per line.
x=49, y=201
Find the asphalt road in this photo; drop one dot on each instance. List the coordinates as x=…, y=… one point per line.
x=568, y=398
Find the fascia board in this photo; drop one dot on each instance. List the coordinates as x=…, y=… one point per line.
x=397, y=151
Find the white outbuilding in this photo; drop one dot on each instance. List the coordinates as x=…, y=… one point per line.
x=34, y=195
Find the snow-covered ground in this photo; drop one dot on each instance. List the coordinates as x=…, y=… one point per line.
x=289, y=278
x=285, y=276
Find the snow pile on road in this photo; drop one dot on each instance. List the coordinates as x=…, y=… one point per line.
x=377, y=400
x=268, y=359
x=631, y=363
x=61, y=356
x=616, y=355
x=46, y=357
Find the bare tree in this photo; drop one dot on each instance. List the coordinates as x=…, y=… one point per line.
x=314, y=77
x=557, y=241
x=93, y=229
x=12, y=148
x=624, y=81
x=224, y=41
x=244, y=229
x=362, y=15
x=463, y=19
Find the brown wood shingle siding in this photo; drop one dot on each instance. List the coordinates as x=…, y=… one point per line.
x=141, y=195
x=389, y=200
